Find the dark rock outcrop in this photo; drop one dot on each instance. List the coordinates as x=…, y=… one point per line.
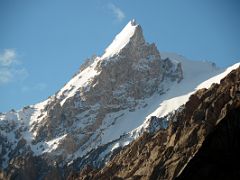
x=219, y=157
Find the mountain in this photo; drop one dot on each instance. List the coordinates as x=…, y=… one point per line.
x=114, y=99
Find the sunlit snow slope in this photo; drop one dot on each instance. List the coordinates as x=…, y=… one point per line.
x=197, y=75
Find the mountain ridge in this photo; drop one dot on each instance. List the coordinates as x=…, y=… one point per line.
x=110, y=102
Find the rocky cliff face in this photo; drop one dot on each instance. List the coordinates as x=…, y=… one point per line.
x=201, y=141
x=218, y=157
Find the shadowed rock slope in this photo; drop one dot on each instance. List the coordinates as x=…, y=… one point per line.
x=201, y=141
x=218, y=158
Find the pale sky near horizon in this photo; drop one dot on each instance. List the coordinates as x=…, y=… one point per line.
x=43, y=43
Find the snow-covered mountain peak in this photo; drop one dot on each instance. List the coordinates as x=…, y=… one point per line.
x=107, y=103
x=79, y=117
x=121, y=39
x=128, y=51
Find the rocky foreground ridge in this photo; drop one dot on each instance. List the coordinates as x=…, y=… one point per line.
x=201, y=142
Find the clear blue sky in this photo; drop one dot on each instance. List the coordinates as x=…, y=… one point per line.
x=43, y=42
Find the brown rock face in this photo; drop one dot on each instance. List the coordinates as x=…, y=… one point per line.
x=202, y=143
x=218, y=158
